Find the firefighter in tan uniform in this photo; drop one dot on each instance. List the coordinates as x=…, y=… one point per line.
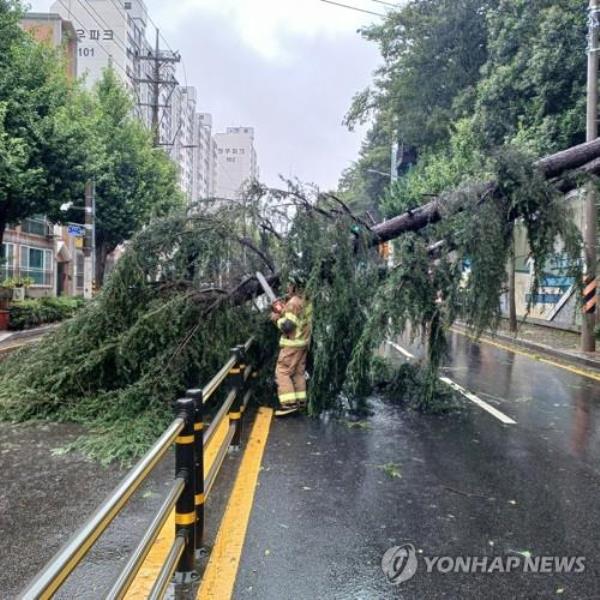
x=293, y=317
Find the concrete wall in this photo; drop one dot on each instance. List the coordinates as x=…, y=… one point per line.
x=569, y=313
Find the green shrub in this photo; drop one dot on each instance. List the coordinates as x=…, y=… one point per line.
x=33, y=313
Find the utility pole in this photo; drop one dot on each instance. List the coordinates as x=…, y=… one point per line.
x=394, y=161
x=158, y=58
x=588, y=341
x=393, y=179
x=89, y=245
x=156, y=91
x=512, y=301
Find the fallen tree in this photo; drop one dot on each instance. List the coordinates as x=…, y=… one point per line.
x=178, y=299
x=565, y=170
x=572, y=164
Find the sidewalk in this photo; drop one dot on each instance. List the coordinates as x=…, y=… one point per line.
x=562, y=345
x=12, y=340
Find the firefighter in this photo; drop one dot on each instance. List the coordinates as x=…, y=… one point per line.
x=293, y=317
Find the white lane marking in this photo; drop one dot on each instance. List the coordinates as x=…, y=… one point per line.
x=472, y=397
x=400, y=349
x=481, y=403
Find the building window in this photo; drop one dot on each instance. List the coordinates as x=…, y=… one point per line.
x=79, y=269
x=37, y=264
x=127, y=5
x=231, y=159
x=34, y=226
x=7, y=261
x=242, y=151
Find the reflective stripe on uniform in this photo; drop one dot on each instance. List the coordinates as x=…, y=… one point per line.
x=291, y=317
x=297, y=343
x=301, y=395
x=290, y=396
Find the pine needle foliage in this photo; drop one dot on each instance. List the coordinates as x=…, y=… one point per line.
x=172, y=310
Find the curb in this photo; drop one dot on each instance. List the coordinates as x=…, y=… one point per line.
x=568, y=357
x=28, y=333
x=7, y=350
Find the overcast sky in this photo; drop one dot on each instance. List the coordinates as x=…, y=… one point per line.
x=288, y=68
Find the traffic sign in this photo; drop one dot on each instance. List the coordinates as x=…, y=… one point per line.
x=76, y=230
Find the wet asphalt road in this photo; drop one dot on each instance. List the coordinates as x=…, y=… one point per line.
x=46, y=494
x=333, y=497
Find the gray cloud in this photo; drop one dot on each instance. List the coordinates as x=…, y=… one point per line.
x=296, y=101
x=296, y=105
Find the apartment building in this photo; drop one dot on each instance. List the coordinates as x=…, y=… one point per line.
x=115, y=33
x=237, y=162
x=184, y=141
x=36, y=250
x=205, y=159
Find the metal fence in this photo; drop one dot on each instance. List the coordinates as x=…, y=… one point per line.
x=187, y=494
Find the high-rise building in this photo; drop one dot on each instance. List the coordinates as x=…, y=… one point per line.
x=185, y=142
x=113, y=32
x=236, y=161
x=204, y=159
x=108, y=31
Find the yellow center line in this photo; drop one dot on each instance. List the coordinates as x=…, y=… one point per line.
x=510, y=348
x=219, y=577
x=142, y=584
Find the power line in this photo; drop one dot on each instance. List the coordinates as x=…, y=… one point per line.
x=386, y=4
x=128, y=51
x=122, y=12
x=185, y=79
x=164, y=39
x=362, y=10
x=121, y=43
x=109, y=54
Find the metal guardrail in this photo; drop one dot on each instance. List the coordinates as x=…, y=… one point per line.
x=187, y=494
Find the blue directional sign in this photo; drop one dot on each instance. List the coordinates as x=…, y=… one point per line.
x=76, y=230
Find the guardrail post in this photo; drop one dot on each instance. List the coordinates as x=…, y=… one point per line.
x=236, y=382
x=185, y=509
x=199, y=498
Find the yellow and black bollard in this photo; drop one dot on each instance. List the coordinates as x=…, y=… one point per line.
x=590, y=297
x=236, y=382
x=185, y=509
x=199, y=498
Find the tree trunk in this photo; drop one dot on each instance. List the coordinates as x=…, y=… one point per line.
x=551, y=166
x=569, y=159
x=102, y=252
x=424, y=215
x=512, y=302
x=582, y=159
x=3, y=222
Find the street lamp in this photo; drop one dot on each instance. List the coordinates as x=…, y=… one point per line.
x=89, y=241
